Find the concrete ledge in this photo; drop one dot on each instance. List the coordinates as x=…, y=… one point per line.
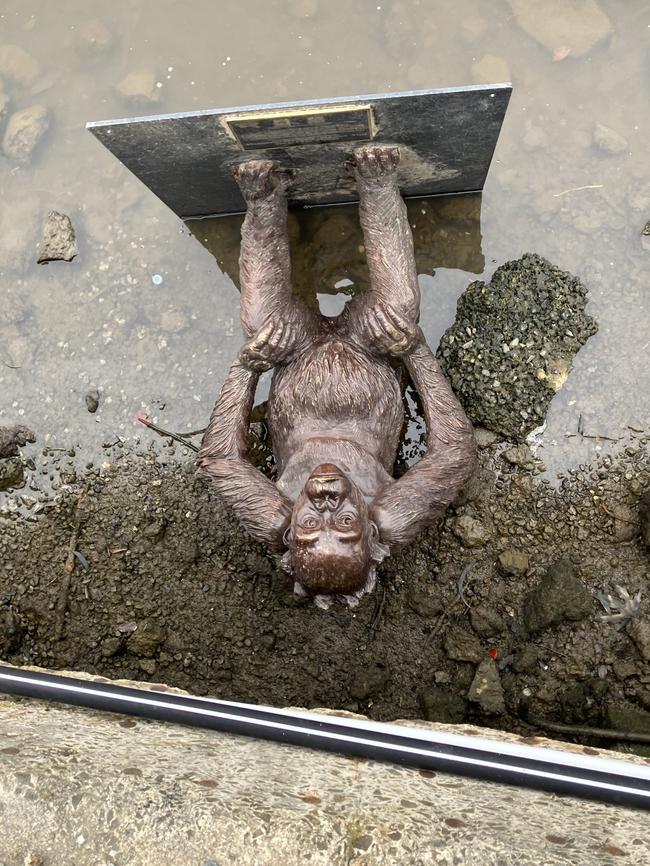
x=83, y=788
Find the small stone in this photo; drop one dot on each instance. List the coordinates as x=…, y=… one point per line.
x=626, y=522
x=11, y=473
x=17, y=65
x=644, y=518
x=11, y=633
x=440, y=705
x=367, y=682
x=93, y=35
x=423, y=603
x=24, y=131
x=559, y=597
x=513, y=562
x=645, y=231
x=485, y=621
x=491, y=69
x=173, y=321
x=608, y=140
x=486, y=689
x=110, y=647
x=146, y=639
x=471, y=532
x=139, y=87
x=462, y=646
x=13, y=438
x=92, y=400
x=59, y=240
x=574, y=27
x=526, y=660
x=484, y=437
x=519, y=455
x=639, y=631
x=147, y=665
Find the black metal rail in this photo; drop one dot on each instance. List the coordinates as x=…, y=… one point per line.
x=576, y=775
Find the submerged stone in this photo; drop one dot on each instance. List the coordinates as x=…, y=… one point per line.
x=24, y=131
x=512, y=343
x=59, y=240
x=486, y=689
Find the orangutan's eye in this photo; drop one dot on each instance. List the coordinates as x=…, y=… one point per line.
x=309, y=522
x=346, y=520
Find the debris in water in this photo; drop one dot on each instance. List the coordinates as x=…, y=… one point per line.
x=619, y=610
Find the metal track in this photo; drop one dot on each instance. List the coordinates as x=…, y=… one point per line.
x=596, y=778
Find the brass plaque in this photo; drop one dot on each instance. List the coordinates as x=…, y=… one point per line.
x=321, y=126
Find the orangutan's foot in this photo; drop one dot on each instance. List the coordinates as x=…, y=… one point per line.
x=375, y=161
x=258, y=178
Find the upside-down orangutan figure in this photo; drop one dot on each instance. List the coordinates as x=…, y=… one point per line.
x=334, y=408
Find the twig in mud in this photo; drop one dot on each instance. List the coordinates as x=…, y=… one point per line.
x=584, y=731
x=177, y=437
x=549, y=649
x=578, y=189
x=461, y=583
x=64, y=590
x=191, y=433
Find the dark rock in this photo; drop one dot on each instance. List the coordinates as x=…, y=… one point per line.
x=513, y=562
x=639, y=631
x=626, y=523
x=13, y=438
x=558, y=597
x=644, y=517
x=512, y=343
x=367, y=682
x=486, y=689
x=471, y=531
x=462, y=646
x=148, y=666
x=11, y=473
x=422, y=603
x=92, y=400
x=110, y=647
x=440, y=705
x=11, y=633
x=59, y=242
x=146, y=639
x=24, y=131
x=485, y=620
x=526, y=659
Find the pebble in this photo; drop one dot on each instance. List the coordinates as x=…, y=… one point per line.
x=486, y=689
x=462, y=646
x=11, y=473
x=24, y=131
x=626, y=522
x=367, y=682
x=59, y=242
x=513, y=562
x=485, y=620
x=471, y=531
x=93, y=35
x=608, y=140
x=572, y=27
x=139, y=87
x=92, y=400
x=440, y=705
x=146, y=639
x=18, y=65
x=484, y=437
x=422, y=603
x=519, y=455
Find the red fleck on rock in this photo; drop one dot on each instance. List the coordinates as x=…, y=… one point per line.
x=561, y=53
x=493, y=652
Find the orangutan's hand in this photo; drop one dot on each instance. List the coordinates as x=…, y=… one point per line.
x=390, y=333
x=270, y=347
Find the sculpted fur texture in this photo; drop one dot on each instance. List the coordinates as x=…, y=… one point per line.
x=334, y=409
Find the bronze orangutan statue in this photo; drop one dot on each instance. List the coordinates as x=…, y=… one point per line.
x=334, y=408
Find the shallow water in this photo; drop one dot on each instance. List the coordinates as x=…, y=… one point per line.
x=145, y=313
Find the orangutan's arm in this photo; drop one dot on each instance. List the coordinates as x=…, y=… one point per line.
x=420, y=496
x=255, y=500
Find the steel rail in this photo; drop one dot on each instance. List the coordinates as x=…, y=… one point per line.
x=592, y=777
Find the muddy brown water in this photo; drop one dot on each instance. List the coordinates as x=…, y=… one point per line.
x=147, y=314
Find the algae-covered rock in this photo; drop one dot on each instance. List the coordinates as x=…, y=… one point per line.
x=558, y=597
x=512, y=343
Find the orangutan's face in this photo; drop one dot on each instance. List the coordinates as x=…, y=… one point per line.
x=331, y=534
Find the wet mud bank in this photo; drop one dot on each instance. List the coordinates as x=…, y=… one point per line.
x=526, y=608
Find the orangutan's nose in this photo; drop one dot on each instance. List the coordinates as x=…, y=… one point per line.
x=326, y=500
